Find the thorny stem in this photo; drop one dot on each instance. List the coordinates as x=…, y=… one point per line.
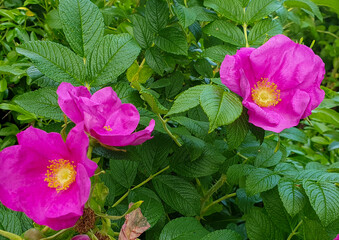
x=214, y=188
x=164, y=125
x=294, y=230
x=10, y=236
x=139, y=185
x=217, y=201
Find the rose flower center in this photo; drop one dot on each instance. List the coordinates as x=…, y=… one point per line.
x=265, y=94
x=60, y=174
x=108, y=128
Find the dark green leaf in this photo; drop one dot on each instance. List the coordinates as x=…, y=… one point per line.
x=123, y=171
x=141, y=31
x=157, y=14
x=268, y=156
x=260, y=180
x=219, y=52
x=230, y=9
x=155, y=60
x=224, y=234
x=185, y=15
x=172, y=40
x=258, y=9
x=306, y=4
x=264, y=30
x=237, y=131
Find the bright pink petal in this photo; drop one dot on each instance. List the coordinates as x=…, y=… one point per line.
x=124, y=140
x=68, y=100
x=107, y=100
x=81, y=237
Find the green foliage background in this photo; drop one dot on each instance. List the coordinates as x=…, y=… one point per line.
x=207, y=173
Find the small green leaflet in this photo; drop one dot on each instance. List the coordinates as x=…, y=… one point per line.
x=260, y=180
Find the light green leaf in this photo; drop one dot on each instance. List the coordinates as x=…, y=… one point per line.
x=155, y=60
x=333, y=4
x=225, y=31
x=185, y=15
x=219, y=52
x=305, y=4
x=172, y=40
x=7, y=69
x=258, y=9
x=260, y=180
x=224, y=234
x=294, y=134
x=141, y=31
x=259, y=226
x=42, y=102
x=230, y=9
x=187, y=100
x=178, y=194
x=291, y=195
x=83, y=24
x=323, y=197
x=157, y=14
x=111, y=58
x=124, y=171
x=151, y=207
x=325, y=115
x=263, y=30
x=221, y=107
x=267, y=156
x=184, y=228
x=149, y=97
x=55, y=61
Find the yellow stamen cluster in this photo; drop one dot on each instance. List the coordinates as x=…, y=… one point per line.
x=108, y=128
x=60, y=174
x=265, y=93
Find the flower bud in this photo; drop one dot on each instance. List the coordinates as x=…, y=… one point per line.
x=33, y=234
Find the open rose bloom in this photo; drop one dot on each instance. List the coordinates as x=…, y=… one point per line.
x=105, y=117
x=279, y=82
x=47, y=178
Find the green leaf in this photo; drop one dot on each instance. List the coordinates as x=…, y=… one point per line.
x=263, y=30
x=323, y=197
x=7, y=69
x=157, y=14
x=276, y=211
x=187, y=100
x=178, y=194
x=237, y=131
x=221, y=107
x=230, y=9
x=111, y=58
x=123, y=171
x=313, y=230
x=291, y=196
x=151, y=207
x=294, y=134
x=226, y=32
x=108, y=180
x=141, y=31
x=55, y=61
x=172, y=40
x=184, y=228
x=259, y=226
x=258, y=9
x=198, y=128
x=155, y=60
x=333, y=4
x=305, y=4
x=138, y=74
x=325, y=116
x=237, y=171
x=245, y=202
x=42, y=102
x=185, y=15
x=204, y=68
x=219, y=52
x=83, y=24
x=267, y=156
x=149, y=97
x=260, y=180
x=224, y=234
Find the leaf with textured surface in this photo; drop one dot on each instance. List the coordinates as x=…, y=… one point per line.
x=224, y=234
x=155, y=60
x=187, y=100
x=221, y=107
x=260, y=180
x=268, y=156
x=178, y=194
x=157, y=14
x=184, y=228
x=55, y=61
x=42, y=102
x=230, y=9
x=258, y=9
x=185, y=15
x=172, y=40
x=292, y=196
x=111, y=58
x=306, y=4
x=154, y=103
x=264, y=30
x=151, y=207
x=225, y=31
x=83, y=24
x=237, y=131
x=198, y=128
x=323, y=197
x=237, y=171
x=123, y=171
x=219, y=52
x=141, y=31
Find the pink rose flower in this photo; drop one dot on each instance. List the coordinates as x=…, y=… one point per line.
x=47, y=178
x=135, y=224
x=81, y=237
x=279, y=82
x=105, y=117
x=337, y=237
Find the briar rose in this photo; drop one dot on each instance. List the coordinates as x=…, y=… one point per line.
x=46, y=178
x=279, y=82
x=105, y=117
